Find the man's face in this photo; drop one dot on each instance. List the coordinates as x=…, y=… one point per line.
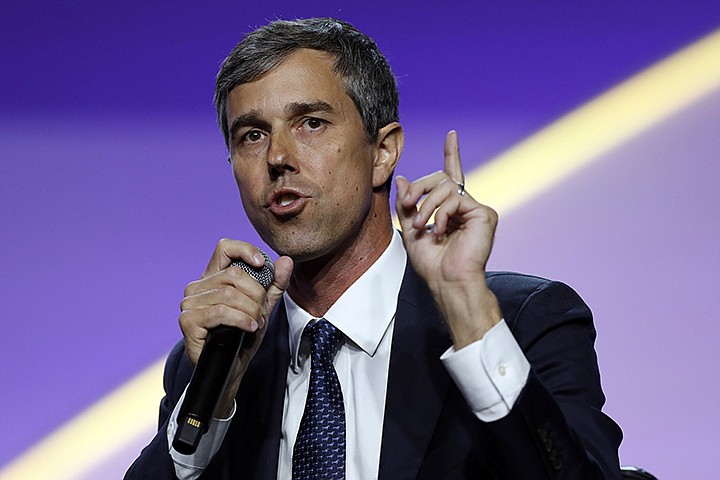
x=301, y=158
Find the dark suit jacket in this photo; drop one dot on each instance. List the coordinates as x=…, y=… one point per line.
x=555, y=430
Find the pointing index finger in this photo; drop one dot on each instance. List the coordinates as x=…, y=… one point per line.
x=453, y=168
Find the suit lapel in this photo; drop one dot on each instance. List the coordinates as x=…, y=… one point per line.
x=417, y=380
x=417, y=387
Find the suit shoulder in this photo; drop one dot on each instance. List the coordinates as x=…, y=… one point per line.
x=515, y=291
x=504, y=276
x=503, y=283
x=522, y=283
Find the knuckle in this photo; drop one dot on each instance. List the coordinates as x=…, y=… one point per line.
x=256, y=312
x=224, y=245
x=184, y=320
x=493, y=214
x=234, y=273
x=226, y=292
x=184, y=304
x=439, y=177
x=490, y=215
x=258, y=291
x=190, y=289
x=216, y=311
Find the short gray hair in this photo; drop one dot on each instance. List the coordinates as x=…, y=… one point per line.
x=365, y=72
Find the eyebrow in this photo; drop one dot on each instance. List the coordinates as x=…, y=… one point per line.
x=294, y=109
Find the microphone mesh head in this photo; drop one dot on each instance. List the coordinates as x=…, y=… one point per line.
x=264, y=275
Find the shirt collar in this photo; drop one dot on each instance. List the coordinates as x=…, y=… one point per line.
x=365, y=310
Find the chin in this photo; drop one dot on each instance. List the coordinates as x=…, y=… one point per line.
x=299, y=247
x=307, y=241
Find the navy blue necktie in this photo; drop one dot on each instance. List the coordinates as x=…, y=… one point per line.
x=319, y=451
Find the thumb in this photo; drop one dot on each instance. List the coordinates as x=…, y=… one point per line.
x=283, y=271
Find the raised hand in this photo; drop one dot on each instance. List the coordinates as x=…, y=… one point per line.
x=451, y=254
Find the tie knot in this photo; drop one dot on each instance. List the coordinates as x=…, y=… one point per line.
x=325, y=340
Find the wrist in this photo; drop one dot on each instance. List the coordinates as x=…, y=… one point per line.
x=469, y=310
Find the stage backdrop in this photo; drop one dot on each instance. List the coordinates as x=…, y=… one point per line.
x=591, y=126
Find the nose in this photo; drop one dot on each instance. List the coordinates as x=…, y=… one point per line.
x=281, y=157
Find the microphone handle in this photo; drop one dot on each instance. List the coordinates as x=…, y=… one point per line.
x=213, y=370
x=206, y=386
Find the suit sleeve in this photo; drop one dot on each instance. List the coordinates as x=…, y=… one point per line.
x=556, y=425
x=154, y=461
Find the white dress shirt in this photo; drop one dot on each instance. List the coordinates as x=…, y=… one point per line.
x=490, y=372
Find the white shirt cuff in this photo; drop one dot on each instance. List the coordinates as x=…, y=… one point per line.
x=190, y=467
x=490, y=372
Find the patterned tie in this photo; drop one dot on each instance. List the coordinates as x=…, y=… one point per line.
x=319, y=451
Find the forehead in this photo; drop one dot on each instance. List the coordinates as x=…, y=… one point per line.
x=305, y=75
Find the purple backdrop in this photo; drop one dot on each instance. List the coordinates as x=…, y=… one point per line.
x=115, y=188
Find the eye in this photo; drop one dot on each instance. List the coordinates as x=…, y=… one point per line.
x=252, y=136
x=313, y=123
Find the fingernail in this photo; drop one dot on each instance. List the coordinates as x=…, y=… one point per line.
x=253, y=325
x=258, y=258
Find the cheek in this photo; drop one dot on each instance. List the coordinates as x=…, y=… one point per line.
x=353, y=165
x=353, y=187
x=250, y=195
x=245, y=178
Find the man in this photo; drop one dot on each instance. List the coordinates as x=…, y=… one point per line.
x=441, y=370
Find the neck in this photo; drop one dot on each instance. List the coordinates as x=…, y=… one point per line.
x=317, y=284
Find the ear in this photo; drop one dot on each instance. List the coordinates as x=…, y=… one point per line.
x=388, y=148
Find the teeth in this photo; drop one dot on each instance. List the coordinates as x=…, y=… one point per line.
x=286, y=199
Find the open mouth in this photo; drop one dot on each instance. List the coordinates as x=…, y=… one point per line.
x=287, y=203
x=285, y=199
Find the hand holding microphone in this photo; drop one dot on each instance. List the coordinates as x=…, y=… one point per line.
x=217, y=312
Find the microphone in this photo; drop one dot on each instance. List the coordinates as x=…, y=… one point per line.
x=212, y=371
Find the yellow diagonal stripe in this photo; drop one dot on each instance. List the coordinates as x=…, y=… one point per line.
x=551, y=155
x=94, y=435
x=506, y=182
